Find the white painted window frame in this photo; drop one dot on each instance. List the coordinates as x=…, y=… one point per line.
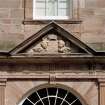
x=52, y=17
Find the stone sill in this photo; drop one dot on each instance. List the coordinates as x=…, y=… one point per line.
x=32, y=22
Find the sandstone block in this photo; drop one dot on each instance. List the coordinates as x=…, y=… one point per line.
x=32, y=29
x=92, y=24
x=4, y=13
x=91, y=4
x=97, y=46
x=28, y=3
x=17, y=13
x=86, y=13
x=9, y=3
x=100, y=12
x=100, y=3
x=5, y=21
x=72, y=27
x=29, y=13
x=11, y=28
x=93, y=37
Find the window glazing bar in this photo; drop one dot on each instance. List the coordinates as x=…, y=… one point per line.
x=74, y=101
x=48, y=96
x=30, y=101
x=64, y=98
x=39, y=97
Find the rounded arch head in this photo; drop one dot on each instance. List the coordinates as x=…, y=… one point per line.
x=52, y=94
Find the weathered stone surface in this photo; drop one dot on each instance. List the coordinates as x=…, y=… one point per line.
x=29, y=4
x=9, y=3
x=100, y=13
x=91, y=3
x=11, y=21
x=93, y=25
x=32, y=29
x=102, y=91
x=93, y=37
x=72, y=27
x=17, y=90
x=10, y=28
x=17, y=13
x=100, y=3
x=10, y=41
x=29, y=13
x=2, y=91
x=4, y=13
x=90, y=31
x=97, y=46
x=91, y=12
x=86, y=13
x=5, y=21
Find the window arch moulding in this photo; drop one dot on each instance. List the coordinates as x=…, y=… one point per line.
x=52, y=94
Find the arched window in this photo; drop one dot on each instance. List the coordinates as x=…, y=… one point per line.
x=51, y=96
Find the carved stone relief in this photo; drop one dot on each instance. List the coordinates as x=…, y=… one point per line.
x=62, y=48
x=51, y=44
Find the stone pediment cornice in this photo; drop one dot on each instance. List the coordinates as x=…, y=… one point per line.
x=52, y=34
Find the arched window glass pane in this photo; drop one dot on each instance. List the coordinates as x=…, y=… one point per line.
x=52, y=96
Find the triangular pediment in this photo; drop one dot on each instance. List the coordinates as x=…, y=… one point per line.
x=52, y=39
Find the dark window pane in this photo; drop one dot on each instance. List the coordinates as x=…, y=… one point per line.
x=61, y=93
x=52, y=100
x=52, y=91
x=42, y=93
x=34, y=97
x=77, y=102
x=58, y=101
x=65, y=103
x=26, y=102
x=70, y=98
x=45, y=101
x=39, y=103
x=48, y=98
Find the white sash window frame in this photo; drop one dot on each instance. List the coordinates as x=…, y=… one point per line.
x=56, y=17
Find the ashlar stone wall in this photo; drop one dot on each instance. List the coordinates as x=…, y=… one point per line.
x=91, y=30
x=93, y=26
x=11, y=28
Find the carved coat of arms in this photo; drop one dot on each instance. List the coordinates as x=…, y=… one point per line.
x=51, y=44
